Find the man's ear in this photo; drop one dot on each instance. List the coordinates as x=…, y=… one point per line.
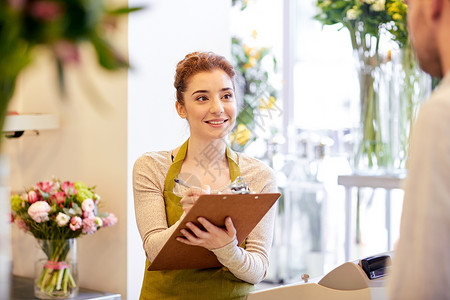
x=180, y=110
x=436, y=9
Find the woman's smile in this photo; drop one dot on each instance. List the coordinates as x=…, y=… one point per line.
x=217, y=122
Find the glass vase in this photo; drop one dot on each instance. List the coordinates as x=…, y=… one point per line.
x=56, y=269
x=391, y=90
x=408, y=87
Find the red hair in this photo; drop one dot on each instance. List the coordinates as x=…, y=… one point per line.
x=197, y=62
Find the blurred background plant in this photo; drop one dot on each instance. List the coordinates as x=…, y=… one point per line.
x=254, y=66
x=58, y=25
x=242, y=3
x=370, y=24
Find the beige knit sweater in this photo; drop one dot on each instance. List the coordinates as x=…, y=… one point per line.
x=149, y=174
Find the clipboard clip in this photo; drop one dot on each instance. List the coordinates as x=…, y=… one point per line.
x=238, y=186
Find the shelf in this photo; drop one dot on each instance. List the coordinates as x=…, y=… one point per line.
x=23, y=288
x=30, y=122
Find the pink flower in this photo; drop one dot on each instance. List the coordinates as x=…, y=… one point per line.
x=110, y=220
x=66, y=51
x=17, y=4
x=45, y=10
x=32, y=197
x=20, y=223
x=89, y=226
x=75, y=223
x=88, y=215
x=45, y=186
x=39, y=210
x=59, y=198
x=69, y=188
x=88, y=205
x=55, y=187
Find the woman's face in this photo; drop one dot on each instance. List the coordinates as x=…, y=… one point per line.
x=209, y=105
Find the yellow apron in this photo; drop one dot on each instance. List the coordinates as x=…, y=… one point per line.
x=197, y=284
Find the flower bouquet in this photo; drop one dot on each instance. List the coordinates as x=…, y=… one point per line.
x=56, y=213
x=377, y=28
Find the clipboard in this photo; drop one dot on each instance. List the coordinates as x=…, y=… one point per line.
x=245, y=210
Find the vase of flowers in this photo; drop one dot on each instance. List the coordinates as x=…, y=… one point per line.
x=389, y=96
x=56, y=269
x=56, y=213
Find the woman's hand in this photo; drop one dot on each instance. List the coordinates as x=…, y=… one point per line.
x=212, y=237
x=191, y=195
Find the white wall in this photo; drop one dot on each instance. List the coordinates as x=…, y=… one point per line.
x=158, y=38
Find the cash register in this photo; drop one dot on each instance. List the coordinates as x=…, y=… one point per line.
x=363, y=279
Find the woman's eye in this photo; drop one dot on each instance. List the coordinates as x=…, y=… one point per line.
x=228, y=96
x=202, y=98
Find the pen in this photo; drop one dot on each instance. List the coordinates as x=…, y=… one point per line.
x=181, y=181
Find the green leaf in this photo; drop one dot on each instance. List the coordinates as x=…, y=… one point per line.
x=107, y=57
x=124, y=10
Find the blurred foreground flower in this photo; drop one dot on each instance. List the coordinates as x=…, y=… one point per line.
x=59, y=25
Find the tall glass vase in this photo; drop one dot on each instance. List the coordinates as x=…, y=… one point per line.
x=408, y=87
x=56, y=269
x=391, y=89
x=371, y=146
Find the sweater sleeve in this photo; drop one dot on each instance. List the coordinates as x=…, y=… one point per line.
x=251, y=264
x=149, y=173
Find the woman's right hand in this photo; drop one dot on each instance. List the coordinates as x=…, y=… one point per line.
x=191, y=195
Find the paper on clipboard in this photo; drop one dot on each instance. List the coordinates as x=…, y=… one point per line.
x=246, y=210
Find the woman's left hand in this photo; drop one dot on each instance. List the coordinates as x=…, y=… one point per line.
x=212, y=237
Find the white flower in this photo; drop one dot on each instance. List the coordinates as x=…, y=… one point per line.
x=88, y=205
x=379, y=5
x=369, y=1
x=62, y=219
x=352, y=14
x=39, y=210
x=99, y=221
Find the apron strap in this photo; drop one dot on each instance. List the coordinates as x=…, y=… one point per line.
x=175, y=167
x=232, y=164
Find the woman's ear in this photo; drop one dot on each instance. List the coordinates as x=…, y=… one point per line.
x=180, y=110
x=436, y=9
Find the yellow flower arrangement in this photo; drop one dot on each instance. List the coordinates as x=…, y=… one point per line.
x=259, y=94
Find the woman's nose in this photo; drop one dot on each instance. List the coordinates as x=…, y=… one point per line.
x=216, y=106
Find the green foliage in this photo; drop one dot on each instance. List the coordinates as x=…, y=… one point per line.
x=252, y=65
x=368, y=16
